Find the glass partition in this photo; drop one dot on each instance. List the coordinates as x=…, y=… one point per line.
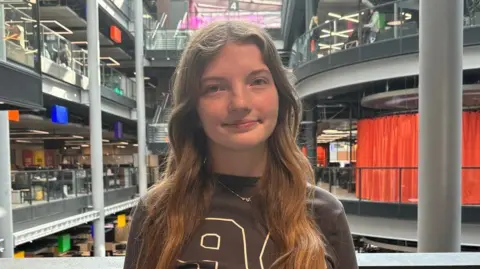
x=61, y=51
x=20, y=34
x=117, y=82
x=44, y=186
x=173, y=40
x=345, y=31
x=265, y=19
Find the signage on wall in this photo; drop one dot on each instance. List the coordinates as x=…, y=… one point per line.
x=233, y=5
x=115, y=34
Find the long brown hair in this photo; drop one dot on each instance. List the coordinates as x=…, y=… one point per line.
x=177, y=204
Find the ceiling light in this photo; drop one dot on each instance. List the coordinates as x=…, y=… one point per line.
x=75, y=147
x=347, y=18
x=135, y=145
x=79, y=42
x=84, y=146
x=121, y=147
x=394, y=23
x=105, y=140
x=335, y=15
x=22, y=141
x=57, y=23
x=113, y=61
x=77, y=136
x=38, y=132
x=330, y=131
x=123, y=143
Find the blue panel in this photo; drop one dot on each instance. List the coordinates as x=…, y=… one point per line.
x=59, y=114
x=118, y=129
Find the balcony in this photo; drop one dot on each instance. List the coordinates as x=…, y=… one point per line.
x=164, y=46
x=60, y=58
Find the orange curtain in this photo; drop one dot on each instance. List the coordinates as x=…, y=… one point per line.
x=322, y=156
x=387, y=158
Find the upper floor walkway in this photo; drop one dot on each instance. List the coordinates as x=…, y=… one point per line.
x=354, y=48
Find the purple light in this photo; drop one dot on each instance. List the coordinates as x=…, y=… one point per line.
x=200, y=20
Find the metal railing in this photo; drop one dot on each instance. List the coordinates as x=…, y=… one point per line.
x=396, y=185
x=342, y=32
x=43, y=186
x=365, y=261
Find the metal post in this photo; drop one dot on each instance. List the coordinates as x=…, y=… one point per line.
x=6, y=221
x=311, y=133
x=39, y=39
x=140, y=83
x=360, y=23
x=335, y=36
x=350, y=135
x=440, y=144
x=96, y=155
x=308, y=14
x=395, y=19
x=3, y=49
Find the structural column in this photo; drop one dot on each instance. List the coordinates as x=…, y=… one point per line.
x=96, y=150
x=140, y=84
x=440, y=110
x=6, y=219
x=3, y=52
x=7, y=243
x=310, y=132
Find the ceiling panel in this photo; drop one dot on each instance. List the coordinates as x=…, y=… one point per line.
x=81, y=36
x=115, y=53
x=64, y=15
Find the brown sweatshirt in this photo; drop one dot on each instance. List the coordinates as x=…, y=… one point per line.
x=232, y=236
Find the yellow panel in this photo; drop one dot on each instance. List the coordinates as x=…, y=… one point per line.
x=121, y=221
x=39, y=158
x=20, y=254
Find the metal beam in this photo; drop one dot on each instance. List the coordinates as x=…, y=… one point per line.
x=53, y=227
x=40, y=231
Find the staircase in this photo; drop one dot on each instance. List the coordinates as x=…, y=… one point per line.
x=157, y=130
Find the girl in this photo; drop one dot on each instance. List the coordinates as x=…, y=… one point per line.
x=236, y=191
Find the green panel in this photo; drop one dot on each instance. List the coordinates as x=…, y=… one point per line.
x=64, y=243
x=382, y=22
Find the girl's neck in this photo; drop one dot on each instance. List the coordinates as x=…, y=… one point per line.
x=247, y=163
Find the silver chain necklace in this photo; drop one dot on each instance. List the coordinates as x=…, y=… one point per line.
x=246, y=199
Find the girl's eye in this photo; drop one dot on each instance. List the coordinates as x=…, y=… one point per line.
x=259, y=81
x=212, y=89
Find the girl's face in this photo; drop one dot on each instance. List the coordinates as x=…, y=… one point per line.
x=238, y=106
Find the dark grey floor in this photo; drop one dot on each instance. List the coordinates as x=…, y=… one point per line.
x=402, y=229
